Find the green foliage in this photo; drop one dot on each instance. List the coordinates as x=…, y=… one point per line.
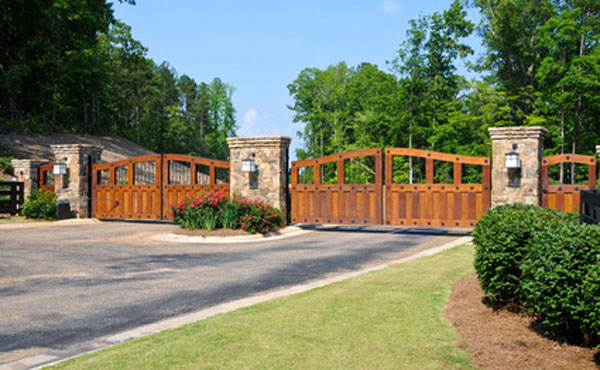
x=503, y=237
x=545, y=262
x=40, y=204
x=216, y=210
x=68, y=65
x=562, y=280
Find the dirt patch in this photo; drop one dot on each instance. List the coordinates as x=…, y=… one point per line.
x=499, y=339
x=37, y=146
x=216, y=232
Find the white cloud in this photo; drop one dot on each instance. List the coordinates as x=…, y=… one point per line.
x=389, y=6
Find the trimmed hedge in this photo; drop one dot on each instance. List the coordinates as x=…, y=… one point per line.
x=562, y=280
x=503, y=238
x=542, y=261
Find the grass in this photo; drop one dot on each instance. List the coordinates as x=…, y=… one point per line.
x=15, y=220
x=393, y=318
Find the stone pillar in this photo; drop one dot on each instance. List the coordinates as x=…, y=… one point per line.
x=72, y=189
x=27, y=171
x=598, y=150
x=270, y=154
x=529, y=142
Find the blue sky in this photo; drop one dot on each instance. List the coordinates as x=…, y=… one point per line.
x=261, y=46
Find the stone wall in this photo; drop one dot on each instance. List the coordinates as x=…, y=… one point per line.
x=270, y=154
x=72, y=188
x=27, y=171
x=526, y=189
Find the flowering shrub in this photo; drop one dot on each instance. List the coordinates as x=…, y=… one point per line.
x=217, y=210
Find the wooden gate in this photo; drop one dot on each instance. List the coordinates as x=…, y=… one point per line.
x=45, y=177
x=187, y=176
x=439, y=196
x=347, y=188
x=565, y=197
x=328, y=190
x=142, y=188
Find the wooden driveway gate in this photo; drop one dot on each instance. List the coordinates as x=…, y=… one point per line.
x=142, y=188
x=422, y=188
x=565, y=197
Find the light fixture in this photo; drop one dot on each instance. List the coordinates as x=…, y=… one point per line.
x=59, y=169
x=15, y=179
x=512, y=159
x=248, y=164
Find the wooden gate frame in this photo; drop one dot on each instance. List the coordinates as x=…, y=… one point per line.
x=436, y=205
x=358, y=204
x=42, y=177
x=565, y=197
x=175, y=193
x=329, y=203
x=148, y=202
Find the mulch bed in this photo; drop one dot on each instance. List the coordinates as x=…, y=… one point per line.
x=500, y=339
x=215, y=232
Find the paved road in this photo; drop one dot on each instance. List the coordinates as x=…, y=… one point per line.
x=65, y=284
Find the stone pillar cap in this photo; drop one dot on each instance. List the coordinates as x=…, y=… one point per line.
x=517, y=132
x=75, y=148
x=24, y=162
x=242, y=142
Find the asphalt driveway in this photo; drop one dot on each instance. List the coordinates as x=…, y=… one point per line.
x=61, y=285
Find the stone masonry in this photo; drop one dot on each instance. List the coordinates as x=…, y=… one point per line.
x=271, y=158
x=72, y=188
x=530, y=148
x=27, y=171
x=598, y=150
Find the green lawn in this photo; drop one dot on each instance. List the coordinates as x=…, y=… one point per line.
x=14, y=220
x=393, y=318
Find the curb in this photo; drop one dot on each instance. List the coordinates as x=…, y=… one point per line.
x=53, y=357
x=29, y=225
x=281, y=234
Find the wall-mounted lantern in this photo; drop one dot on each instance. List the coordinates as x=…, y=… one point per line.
x=59, y=169
x=248, y=164
x=512, y=159
x=513, y=166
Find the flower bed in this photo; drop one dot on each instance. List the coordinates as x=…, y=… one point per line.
x=217, y=210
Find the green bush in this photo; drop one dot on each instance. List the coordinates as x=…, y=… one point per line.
x=216, y=210
x=503, y=237
x=40, y=204
x=562, y=280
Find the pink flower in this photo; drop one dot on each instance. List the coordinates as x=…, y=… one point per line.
x=264, y=220
x=235, y=200
x=249, y=217
x=244, y=224
x=267, y=229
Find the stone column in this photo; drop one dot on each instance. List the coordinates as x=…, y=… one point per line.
x=270, y=154
x=72, y=189
x=598, y=150
x=27, y=171
x=528, y=143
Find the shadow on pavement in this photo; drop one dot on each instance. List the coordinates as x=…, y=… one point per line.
x=387, y=229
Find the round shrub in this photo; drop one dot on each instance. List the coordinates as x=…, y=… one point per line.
x=217, y=210
x=503, y=238
x=40, y=204
x=562, y=280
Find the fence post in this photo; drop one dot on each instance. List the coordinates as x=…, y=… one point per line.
x=27, y=172
x=528, y=143
x=72, y=189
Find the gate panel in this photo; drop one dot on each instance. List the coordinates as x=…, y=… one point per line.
x=187, y=176
x=45, y=177
x=566, y=197
x=128, y=189
x=334, y=200
x=436, y=204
